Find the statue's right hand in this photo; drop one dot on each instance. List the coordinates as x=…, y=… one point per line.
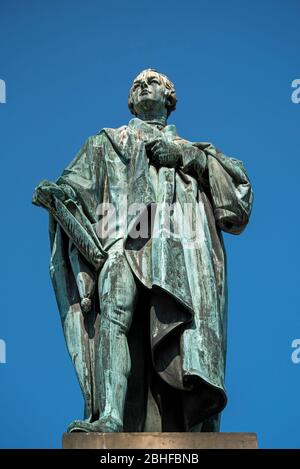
x=44, y=192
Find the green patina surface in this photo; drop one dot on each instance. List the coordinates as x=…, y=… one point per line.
x=144, y=318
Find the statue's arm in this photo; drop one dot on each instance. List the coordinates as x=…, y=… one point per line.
x=67, y=185
x=79, y=180
x=73, y=201
x=192, y=159
x=230, y=189
x=226, y=181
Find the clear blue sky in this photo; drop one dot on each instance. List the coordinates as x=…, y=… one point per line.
x=68, y=66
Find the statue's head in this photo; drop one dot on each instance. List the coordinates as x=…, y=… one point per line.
x=152, y=91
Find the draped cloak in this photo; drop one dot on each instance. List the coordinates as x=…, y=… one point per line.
x=188, y=341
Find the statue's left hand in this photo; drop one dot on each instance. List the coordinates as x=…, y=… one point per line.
x=161, y=152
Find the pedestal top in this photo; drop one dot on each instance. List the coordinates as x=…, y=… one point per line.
x=160, y=441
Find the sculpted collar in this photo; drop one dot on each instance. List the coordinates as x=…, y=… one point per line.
x=146, y=127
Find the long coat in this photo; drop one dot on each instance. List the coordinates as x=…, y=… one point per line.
x=188, y=344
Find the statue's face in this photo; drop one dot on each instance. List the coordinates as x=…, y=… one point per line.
x=148, y=93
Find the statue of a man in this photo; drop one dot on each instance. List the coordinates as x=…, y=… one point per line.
x=139, y=271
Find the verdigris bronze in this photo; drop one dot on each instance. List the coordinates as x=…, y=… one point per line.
x=139, y=270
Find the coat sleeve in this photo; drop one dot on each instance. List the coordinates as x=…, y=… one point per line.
x=82, y=180
x=230, y=189
x=226, y=180
x=82, y=183
x=76, y=199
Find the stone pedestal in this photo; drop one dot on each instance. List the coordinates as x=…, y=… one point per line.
x=162, y=441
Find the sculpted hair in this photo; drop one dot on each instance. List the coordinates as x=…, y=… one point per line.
x=169, y=92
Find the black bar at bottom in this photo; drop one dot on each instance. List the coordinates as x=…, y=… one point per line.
x=134, y=458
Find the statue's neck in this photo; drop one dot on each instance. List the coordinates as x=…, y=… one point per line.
x=153, y=119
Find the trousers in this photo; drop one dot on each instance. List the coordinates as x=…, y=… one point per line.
x=118, y=296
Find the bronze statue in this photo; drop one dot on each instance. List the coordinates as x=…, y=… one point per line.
x=139, y=271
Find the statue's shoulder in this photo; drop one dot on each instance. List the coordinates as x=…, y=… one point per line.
x=205, y=146
x=109, y=131
x=212, y=150
x=179, y=139
x=97, y=143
